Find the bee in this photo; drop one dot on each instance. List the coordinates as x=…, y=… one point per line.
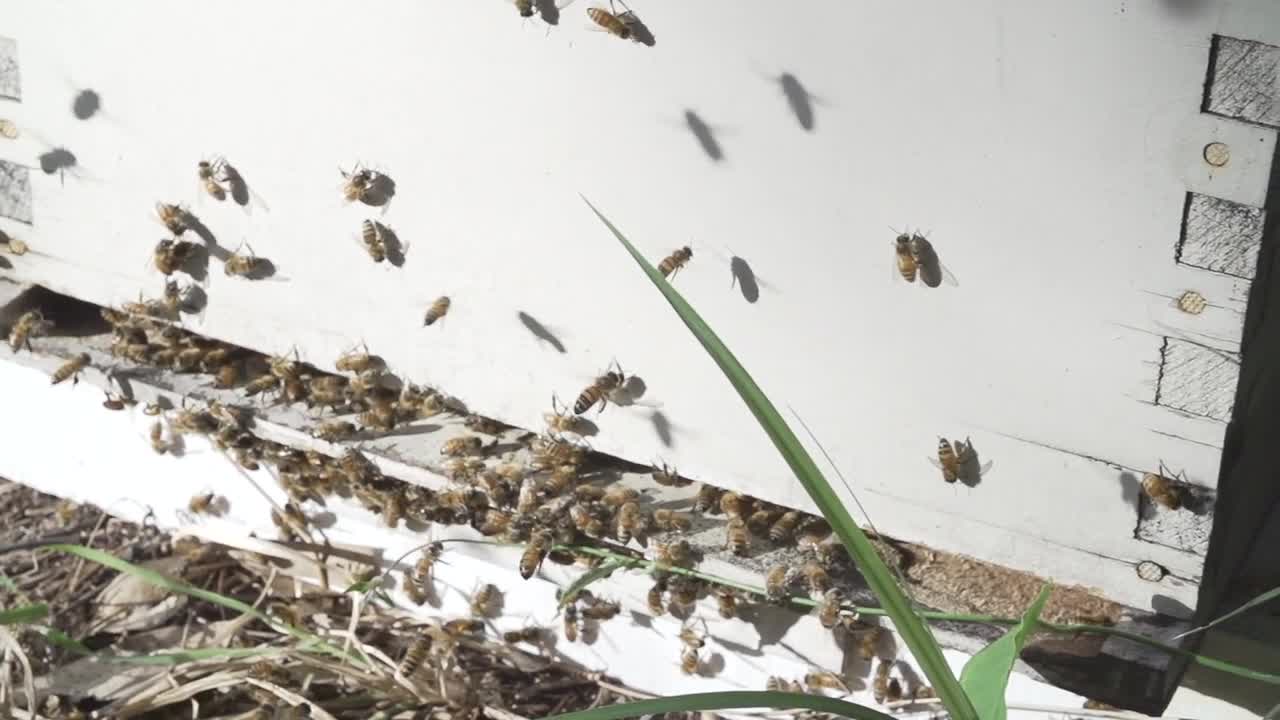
x=562, y=557
x=71, y=369
x=493, y=522
x=947, y=460
x=459, y=446
x=380, y=417
x=414, y=656
x=561, y=478
x=394, y=507
x=776, y=582
x=865, y=635
x=357, y=362
x=483, y=599
x=358, y=185
x=617, y=496
x=684, y=592
x=817, y=577
x=830, y=555
x=601, y=610
x=777, y=684
x=571, y=622
x=551, y=451
x=600, y=391
x=261, y=384
x=419, y=587
x=612, y=23
x=727, y=603
x=735, y=505
x=484, y=425
x=829, y=608
x=708, y=499
x=677, y=553
x=532, y=635
x=159, y=442
x=737, y=538
x=825, y=680
x=785, y=527
x=534, y=553
x=208, y=174
x=175, y=218
x=245, y=266
x=560, y=420
x=206, y=504
x=371, y=238
x=334, y=430
x=29, y=325
x=691, y=638
x=924, y=692
x=655, y=595
x=1162, y=490
x=672, y=521
x=761, y=520
x=672, y=263
x=689, y=659
x=906, y=261
x=666, y=475
x=1096, y=705
x=437, y=310
x=525, y=8
x=885, y=688
x=630, y=522
x=170, y=256
x=812, y=532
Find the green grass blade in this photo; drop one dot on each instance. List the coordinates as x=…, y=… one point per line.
x=178, y=586
x=914, y=632
x=1265, y=597
x=602, y=571
x=24, y=614
x=726, y=701
x=986, y=675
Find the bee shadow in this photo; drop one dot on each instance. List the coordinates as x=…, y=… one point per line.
x=970, y=472
x=771, y=623
x=402, y=431
x=194, y=300
x=240, y=193
x=640, y=32
x=57, y=160
x=5, y=264
x=745, y=278
x=196, y=264
x=712, y=666
x=930, y=267
x=631, y=391
x=202, y=231
x=662, y=427
x=391, y=244
x=262, y=269
x=380, y=191
x=1129, y=487
x=798, y=99
x=87, y=103
x=704, y=135
x=540, y=331
x=548, y=11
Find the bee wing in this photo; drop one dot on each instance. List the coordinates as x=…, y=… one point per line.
x=933, y=461
x=986, y=466
x=947, y=277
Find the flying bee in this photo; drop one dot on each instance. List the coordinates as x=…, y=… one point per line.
x=654, y=598
x=817, y=577
x=483, y=599
x=437, y=310
x=906, y=261
x=776, y=582
x=29, y=325
x=535, y=552
x=601, y=610
x=1162, y=490
x=678, y=553
x=371, y=238
x=829, y=608
x=207, y=172
x=600, y=391
x=247, y=266
x=571, y=622
x=738, y=539
x=708, y=499
x=460, y=446
x=785, y=527
x=610, y=22
x=630, y=522
x=174, y=217
x=71, y=369
x=672, y=263
x=735, y=505
x=170, y=255
x=667, y=476
x=672, y=521
x=414, y=656
x=206, y=504
x=885, y=688
x=689, y=661
x=727, y=603
x=947, y=460
x=825, y=680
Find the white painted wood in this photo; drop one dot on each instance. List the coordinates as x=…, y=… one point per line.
x=1047, y=148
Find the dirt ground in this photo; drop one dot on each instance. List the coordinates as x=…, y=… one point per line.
x=113, y=645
